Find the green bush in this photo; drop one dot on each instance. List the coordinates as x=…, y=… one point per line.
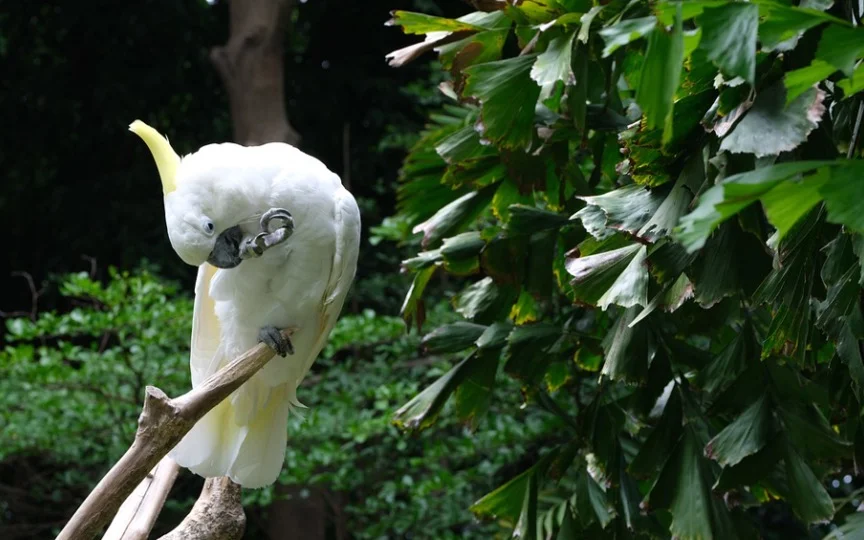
x=656, y=209
x=72, y=390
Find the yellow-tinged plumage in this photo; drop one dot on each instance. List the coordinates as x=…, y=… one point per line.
x=166, y=158
x=218, y=196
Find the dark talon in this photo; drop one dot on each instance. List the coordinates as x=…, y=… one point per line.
x=277, y=214
x=273, y=338
x=267, y=238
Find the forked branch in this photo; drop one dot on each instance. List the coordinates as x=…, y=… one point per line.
x=162, y=424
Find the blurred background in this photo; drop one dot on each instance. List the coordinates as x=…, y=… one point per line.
x=96, y=305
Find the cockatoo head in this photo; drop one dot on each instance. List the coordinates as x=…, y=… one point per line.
x=193, y=222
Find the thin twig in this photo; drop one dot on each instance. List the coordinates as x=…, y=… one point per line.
x=92, y=261
x=855, y=131
x=162, y=424
x=34, y=294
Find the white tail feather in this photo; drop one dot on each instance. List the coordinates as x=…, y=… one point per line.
x=251, y=454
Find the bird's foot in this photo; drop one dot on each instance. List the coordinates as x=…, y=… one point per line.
x=273, y=338
x=269, y=236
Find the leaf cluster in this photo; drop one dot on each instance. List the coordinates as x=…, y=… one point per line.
x=655, y=211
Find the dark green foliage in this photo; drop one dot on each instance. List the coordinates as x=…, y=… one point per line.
x=72, y=389
x=705, y=262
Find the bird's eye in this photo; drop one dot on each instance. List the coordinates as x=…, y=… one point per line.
x=208, y=226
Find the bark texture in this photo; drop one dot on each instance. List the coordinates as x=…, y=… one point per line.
x=252, y=67
x=162, y=424
x=217, y=514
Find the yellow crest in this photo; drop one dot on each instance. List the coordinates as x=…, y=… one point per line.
x=165, y=156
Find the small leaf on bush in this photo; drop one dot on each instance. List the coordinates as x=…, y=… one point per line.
x=453, y=337
x=507, y=96
x=807, y=496
x=771, y=127
x=423, y=409
x=613, y=277
x=729, y=38
x=746, y=435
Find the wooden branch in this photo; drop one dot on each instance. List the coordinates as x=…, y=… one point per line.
x=162, y=424
x=217, y=514
x=138, y=513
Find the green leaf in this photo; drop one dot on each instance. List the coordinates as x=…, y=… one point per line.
x=613, y=277
x=841, y=299
x=529, y=219
x=625, y=32
x=729, y=38
x=781, y=23
x=460, y=253
x=453, y=337
x=463, y=145
x=661, y=441
x=843, y=194
x=753, y=468
x=526, y=527
x=734, y=251
x=507, y=195
x=568, y=530
x=475, y=49
x=628, y=349
x=735, y=193
x=627, y=209
x=685, y=483
x=424, y=259
x=483, y=301
x=788, y=288
x=801, y=80
x=495, y=336
x=806, y=495
x=670, y=298
x=525, y=355
x=852, y=528
x=586, y=21
x=770, y=127
x=541, y=260
x=503, y=259
x=810, y=432
x=854, y=84
x=676, y=203
x=840, y=46
x=552, y=67
x=455, y=216
x=423, y=409
x=740, y=353
x=661, y=72
x=412, y=307
x=850, y=353
x=791, y=200
x=745, y=436
x=506, y=501
x=420, y=23
x=507, y=96
x=474, y=395
x=689, y=9
x=589, y=501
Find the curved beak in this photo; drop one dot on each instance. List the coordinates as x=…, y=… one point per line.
x=226, y=251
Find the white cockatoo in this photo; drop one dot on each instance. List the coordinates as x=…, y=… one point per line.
x=255, y=279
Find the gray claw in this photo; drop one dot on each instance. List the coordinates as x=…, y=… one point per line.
x=273, y=338
x=267, y=238
x=277, y=214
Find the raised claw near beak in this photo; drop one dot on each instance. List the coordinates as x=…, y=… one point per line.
x=267, y=238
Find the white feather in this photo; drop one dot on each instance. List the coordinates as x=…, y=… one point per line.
x=301, y=284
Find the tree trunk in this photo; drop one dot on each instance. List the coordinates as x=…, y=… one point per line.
x=252, y=67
